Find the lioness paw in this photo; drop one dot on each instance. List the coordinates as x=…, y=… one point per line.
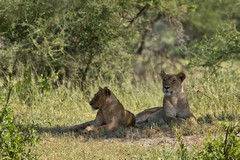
x=88, y=128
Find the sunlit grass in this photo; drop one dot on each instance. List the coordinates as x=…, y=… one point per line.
x=214, y=98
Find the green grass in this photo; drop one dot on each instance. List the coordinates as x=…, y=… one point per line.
x=214, y=98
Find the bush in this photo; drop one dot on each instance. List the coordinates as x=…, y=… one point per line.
x=70, y=41
x=15, y=140
x=211, y=52
x=223, y=147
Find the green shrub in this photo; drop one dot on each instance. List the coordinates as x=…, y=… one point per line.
x=70, y=41
x=211, y=52
x=223, y=147
x=15, y=140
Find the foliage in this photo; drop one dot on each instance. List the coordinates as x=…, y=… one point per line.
x=63, y=39
x=76, y=43
x=211, y=52
x=158, y=23
x=224, y=147
x=15, y=140
x=208, y=16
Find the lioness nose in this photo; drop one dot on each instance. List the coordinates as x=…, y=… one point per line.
x=166, y=87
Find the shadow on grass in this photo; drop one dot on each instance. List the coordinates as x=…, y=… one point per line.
x=145, y=130
x=121, y=132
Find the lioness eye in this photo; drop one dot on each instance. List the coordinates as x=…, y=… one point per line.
x=174, y=81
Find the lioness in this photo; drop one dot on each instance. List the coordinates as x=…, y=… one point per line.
x=111, y=113
x=175, y=103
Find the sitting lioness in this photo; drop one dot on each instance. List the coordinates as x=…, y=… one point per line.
x=175, y=103
x=111, y=113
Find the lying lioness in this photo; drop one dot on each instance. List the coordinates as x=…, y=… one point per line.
x=175, y=103
x=111, y=113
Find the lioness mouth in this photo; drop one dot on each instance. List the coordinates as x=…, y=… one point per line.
x=168, y=93
x=95, y=107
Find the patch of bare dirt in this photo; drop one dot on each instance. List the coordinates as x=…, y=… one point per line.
x=190, y=142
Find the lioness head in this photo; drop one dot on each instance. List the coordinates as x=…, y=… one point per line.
x=172, y=83
x=100, y=98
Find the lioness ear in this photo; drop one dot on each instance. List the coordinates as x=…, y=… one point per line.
x=107, y=91
x=162, y=74
x=181, y=76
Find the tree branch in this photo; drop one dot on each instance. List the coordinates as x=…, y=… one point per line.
x=145, y=33
x=144, y=9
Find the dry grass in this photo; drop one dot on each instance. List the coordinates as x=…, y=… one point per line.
x=214, y=99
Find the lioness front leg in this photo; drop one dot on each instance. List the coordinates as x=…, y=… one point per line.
x=96, y=124
x=169, y=119
x=99, y=121
x=170, y=114
x=191, y=119
x=78, y=127
x=107, y=127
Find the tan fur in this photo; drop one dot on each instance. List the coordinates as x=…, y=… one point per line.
x=146, y=115
x=111, y=113
x=175, y=103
